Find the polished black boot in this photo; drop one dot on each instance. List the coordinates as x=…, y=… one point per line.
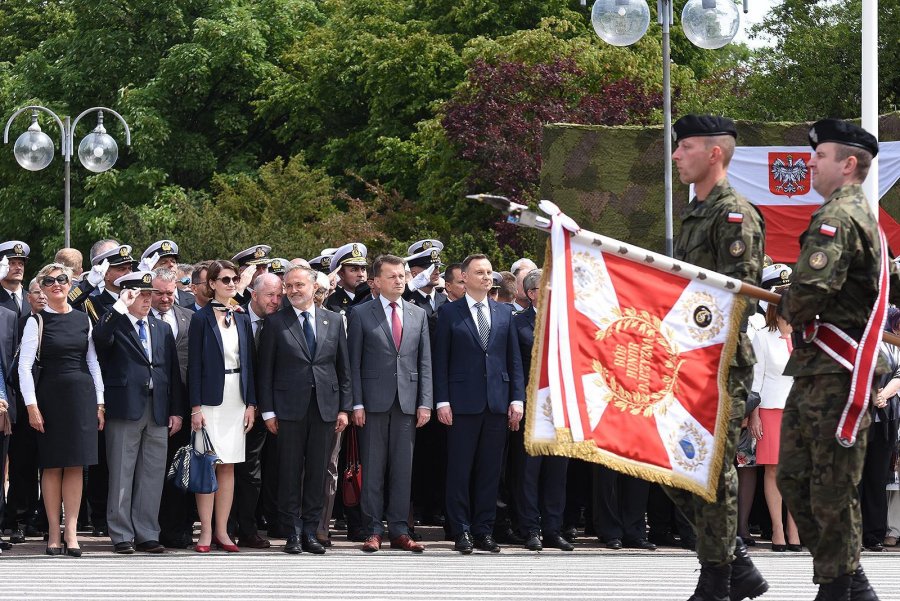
x=860, y=589
x=714, y=583
x=746, y=581
x=836, y=590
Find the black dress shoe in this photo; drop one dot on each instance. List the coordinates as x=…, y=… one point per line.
x=876, y=547
x=5, y=546
x=150, y=546
x=464, y=543
x=614, y=543
x=178, y=541
x=570, y=534
x=17, y=537
x=779, y=548
x=292, y=545
x=508, y=536
x=340, y=524
x=486, y=542
x=639, y=544
x=556, y=541
x=125, y=548
x=100, y=531
x=72, y=551
x=311, y=545
x=33, y=531
x=533, y=542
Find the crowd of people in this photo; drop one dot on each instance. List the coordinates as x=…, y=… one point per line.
x=291, y=371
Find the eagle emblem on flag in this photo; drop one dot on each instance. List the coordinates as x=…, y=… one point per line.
x=789, y=173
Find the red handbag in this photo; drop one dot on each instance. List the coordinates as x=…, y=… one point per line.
x=351, y=483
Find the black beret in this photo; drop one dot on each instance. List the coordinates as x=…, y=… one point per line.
x=842, y=132
x=691, y=126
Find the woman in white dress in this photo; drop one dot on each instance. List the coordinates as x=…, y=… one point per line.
x=221, y=389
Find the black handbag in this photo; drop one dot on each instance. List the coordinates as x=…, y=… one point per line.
x=193, y=471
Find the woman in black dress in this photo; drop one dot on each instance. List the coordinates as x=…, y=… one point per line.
x=65, y=406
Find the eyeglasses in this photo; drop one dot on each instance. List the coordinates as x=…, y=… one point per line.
x=48, y=280
x=228, y=280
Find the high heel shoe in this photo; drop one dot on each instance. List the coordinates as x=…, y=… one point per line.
x=232, y=548
x=794, y=548
x=54, y=550
x=201, y=548
x=71, y=552
x=779, y=548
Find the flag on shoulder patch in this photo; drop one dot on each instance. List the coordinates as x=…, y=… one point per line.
x=735, y=217
x=828, y=230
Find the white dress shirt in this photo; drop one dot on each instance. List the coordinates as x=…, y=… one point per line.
x=428, y=297
x=28, y=351
x=169, y=318
x=17, y=295
x=267, y=415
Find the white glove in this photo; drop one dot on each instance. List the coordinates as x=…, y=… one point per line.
x=4, y=267
x=423, y=279
x=97, y=273
x=148, y=263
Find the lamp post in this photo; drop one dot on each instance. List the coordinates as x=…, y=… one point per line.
x=97, y=151
x=708, y=24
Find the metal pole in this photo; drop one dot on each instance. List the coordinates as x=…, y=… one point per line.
x=67, y=183
x=665, y=18
x=870, y=92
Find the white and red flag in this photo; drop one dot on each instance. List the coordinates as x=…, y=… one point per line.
x=631, y=362
x=778, y=181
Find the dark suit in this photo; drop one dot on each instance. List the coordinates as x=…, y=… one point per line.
x=9, y=330
x=7, y=301
x=540, y=486
x=185, y=299
x=339, y=300
x=479, y=385
x=176, y=509
x=306, y=393
x=23, y=469
x=206, y=361
x=391, y=385
x=141, y=393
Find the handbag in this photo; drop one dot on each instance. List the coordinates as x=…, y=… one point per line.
x=753, y=401
x=351, y=483
x=36, y=368
x=193, y=471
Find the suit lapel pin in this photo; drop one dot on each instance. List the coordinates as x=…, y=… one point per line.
x=324, y=322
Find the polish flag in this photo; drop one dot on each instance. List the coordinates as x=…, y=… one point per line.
x=777, y=180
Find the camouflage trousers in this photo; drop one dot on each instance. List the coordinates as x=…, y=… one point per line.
x=818, y=478
x=716, y=523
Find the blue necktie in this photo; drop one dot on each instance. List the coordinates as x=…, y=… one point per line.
x=308, y=332
x=142, y=334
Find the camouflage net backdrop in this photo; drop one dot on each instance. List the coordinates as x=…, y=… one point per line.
x=610, y=179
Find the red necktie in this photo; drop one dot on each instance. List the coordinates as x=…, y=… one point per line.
x=396, y=326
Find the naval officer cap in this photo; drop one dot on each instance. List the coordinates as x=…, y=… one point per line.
x=691, y=126
x=278, y=266
x=427, y=244
x=116, y=256
x=321, y=263
x=842, y=132
x=255, y=255
x=498, y=279
x=352, y=253
x=15, y=249
x=165, y=248
x=425, y=258
x=776, y=274
x=136, y=280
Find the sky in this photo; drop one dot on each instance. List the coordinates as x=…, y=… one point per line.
x=758, y=10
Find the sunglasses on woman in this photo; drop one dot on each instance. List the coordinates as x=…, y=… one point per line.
x=48, y=280
x=228, y=280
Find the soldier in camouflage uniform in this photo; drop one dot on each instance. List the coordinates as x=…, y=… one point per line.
x=722, y=232
x=836, y=279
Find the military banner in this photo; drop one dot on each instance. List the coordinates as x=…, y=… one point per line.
x=630, y=363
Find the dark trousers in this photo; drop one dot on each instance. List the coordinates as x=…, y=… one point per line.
x=98, y=485
x=248, y=481
x=474, y=461
x=578, y=495
x=23, y=498
x=4, y=448
x=663, y=517
x=268, y=497
x=620, y=503
x=176, y=507
x=386, y=450
x=302, y=452
x=876, y=471
x=541, y=491
x=429, y=476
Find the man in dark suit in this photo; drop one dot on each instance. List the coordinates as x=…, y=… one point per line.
x=176, y=509
x=12, y=292
x=479, y=391
x=265, y=299
x=304, y=396
x=121, y=263
x=8, y=342
x=541, y=483
x=390, y=362
x=144, y=405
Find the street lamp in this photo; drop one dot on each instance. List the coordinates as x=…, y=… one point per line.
x=707, y=23
x=98, y=150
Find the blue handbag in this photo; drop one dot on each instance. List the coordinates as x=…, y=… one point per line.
x=193, y=471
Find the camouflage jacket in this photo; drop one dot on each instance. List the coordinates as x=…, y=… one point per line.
x=836, y=276
x=725, y=233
